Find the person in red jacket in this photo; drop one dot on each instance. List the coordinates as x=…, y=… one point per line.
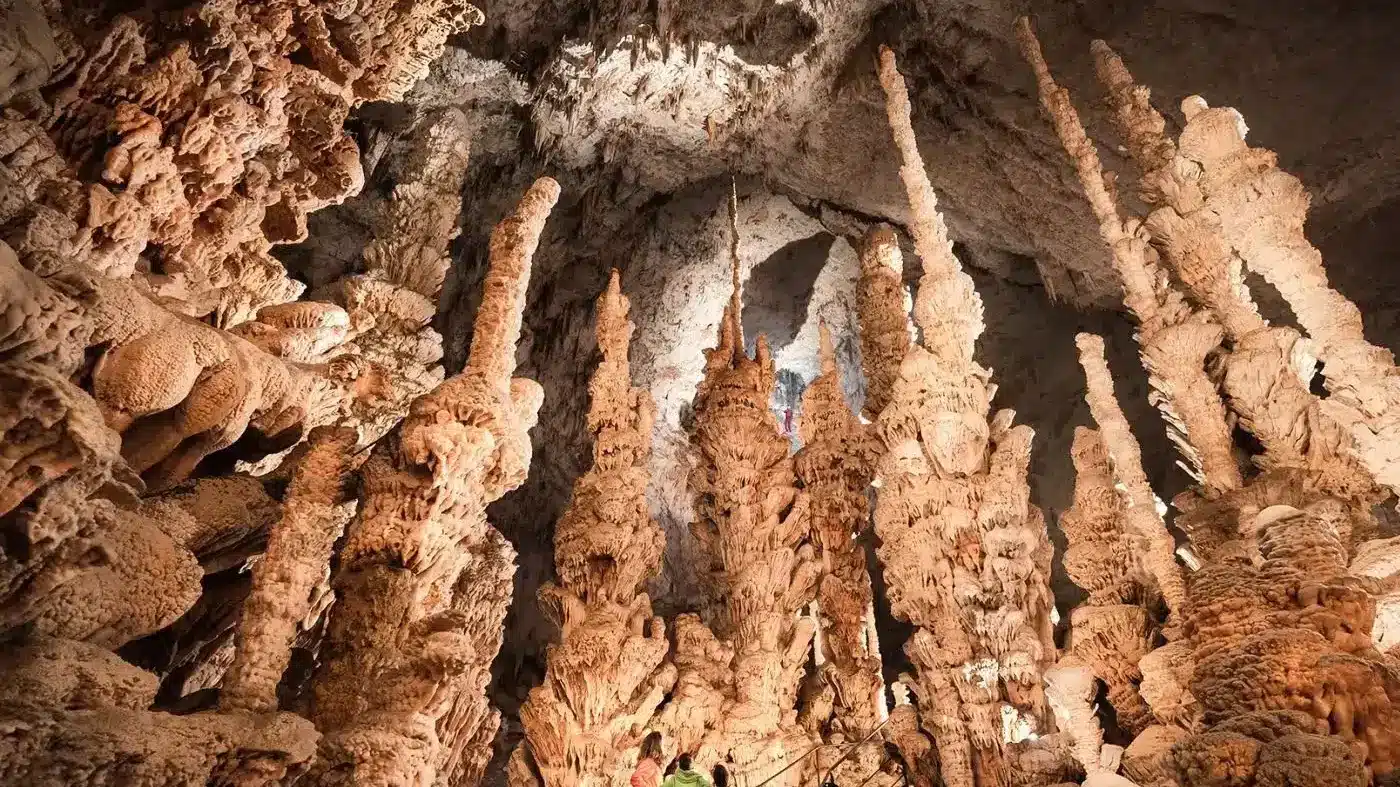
x=648, y=773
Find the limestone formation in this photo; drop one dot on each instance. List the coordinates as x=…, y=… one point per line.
x=1173, y=340
x=213, y=141
x=751, y=516
x=392, y=302
x=1275, y=671
x=424, y=580
x=966, y=555
x=884, y=316
x=76, y=714
x=836, y=465
x=1109, y=631
x=608, y=673
x=297, y=559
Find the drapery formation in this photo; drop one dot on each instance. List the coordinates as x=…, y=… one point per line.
x=608, y=673
x=966, y=556
x=1275, y=670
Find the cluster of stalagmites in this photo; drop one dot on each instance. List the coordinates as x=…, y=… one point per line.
x=1274, y=667
x=329, y=613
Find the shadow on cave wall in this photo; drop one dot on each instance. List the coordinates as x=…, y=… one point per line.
x=779, y=290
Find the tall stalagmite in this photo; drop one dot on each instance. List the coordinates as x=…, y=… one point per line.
x=1109, y=629
x=836, y=465
x=424, y=580
x=608, y=673
x=884, y=316
x=966, y=555
x=1276, y=671
x=750, y=514
x=297, y=559
x=1227, y=205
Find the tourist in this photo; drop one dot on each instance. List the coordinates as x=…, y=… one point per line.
x=648, y=772
x=684, y=776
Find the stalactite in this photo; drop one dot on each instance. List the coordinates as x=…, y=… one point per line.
x=749, y=512
x=424, y=580
x=608, y=673
x=836, y=465
x=1174, y=342
x=1277, y=650
x=966, y=555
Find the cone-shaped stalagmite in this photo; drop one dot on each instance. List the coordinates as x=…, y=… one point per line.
x=606, y=676
x=749, y=512
x=836, y=465
x=424, y=580
x=966, y=555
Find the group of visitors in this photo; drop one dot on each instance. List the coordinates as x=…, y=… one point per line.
x=677, y=773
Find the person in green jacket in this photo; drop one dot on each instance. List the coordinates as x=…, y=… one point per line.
x=684, y=776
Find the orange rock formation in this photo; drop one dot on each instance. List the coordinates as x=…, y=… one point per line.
x=966, y=555
x=608, y=674
x=1276, y=670
x=424, y=580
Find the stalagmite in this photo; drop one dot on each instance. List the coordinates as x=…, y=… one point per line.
x=1255, y=213
x=424, y=580
x=1268, y=373
x=886, y=334
x=1174, y=342
x=836, y=465
x=1277, y=649
x=966, y=555
x=298, y=556
x=608, y=673
x=749, y=512
x=1109, y=630
x=1142, y=522
x=884, y=316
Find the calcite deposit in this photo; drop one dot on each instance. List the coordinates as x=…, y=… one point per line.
x=264, y=513
x=836, y=466
x=966, y=555
x=609, y=673
x=423, y=579
x=1273, y=669
x=755, y=522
